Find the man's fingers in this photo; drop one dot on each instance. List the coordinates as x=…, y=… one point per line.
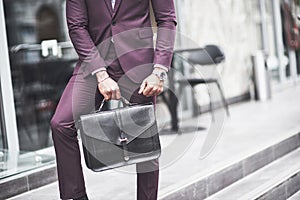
x=106, y=96
x=160, y=90
x=147, y=90
x=109, y=89
x=118, y=94
x=156, y=91
x=152, y=92
x=113, y=93
x=151, y=86
x=106, y=92
x=142, y=87
x=109, y=96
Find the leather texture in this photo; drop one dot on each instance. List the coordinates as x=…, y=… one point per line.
x=119, y=137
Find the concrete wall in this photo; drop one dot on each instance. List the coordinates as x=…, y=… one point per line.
x=231, y=24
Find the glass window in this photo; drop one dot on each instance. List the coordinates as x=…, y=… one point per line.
x=2, y=147
x=38, y=79
x=2, y=138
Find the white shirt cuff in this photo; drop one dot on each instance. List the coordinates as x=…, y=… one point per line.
x=98, y=70
x=161, y=67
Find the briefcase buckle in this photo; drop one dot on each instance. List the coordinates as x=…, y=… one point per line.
x=123, y=139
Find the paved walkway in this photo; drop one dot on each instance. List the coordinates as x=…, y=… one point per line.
x=251, y=127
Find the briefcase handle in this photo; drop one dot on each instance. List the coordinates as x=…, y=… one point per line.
x=124, y=101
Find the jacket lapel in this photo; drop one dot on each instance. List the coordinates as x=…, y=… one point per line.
x=109, y=7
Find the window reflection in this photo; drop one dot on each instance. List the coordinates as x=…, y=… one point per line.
x=47, y=24
x=37, y=81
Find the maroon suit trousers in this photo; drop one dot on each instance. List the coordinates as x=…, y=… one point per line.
x=81, y=96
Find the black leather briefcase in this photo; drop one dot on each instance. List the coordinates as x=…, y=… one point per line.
x=119, y=137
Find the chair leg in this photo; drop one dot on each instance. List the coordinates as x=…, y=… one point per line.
x=223, y=99
x=172, y=107
x=211, y=105
x=195, y=105
x=173, y=101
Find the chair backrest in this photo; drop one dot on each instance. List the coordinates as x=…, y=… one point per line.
x=209, y=55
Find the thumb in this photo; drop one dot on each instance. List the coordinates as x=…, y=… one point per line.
x=142, y=87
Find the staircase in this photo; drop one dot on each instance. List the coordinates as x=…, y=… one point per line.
x=296, y=196
x=270, y=174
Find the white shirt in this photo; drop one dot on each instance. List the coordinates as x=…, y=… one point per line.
x=113, y=2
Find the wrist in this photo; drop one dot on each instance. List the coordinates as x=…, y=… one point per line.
x=162, y=67
x=101, y=75
x=158, y=70
x=160, y=73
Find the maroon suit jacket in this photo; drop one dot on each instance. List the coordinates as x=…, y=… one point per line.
x=92, y=23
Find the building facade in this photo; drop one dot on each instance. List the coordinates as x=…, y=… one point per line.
x=241, y=29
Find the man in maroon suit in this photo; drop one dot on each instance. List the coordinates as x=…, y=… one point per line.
x=114, y=42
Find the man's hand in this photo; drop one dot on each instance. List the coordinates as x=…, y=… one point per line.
x=107, y=86
x=151, y=86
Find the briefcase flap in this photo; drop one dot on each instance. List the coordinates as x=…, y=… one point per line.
x=107, y=125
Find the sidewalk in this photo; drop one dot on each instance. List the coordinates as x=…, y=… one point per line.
x=251, y=127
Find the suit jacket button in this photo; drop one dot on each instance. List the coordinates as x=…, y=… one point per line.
x=113, y=23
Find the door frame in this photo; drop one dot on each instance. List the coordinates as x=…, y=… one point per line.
x=6, y=92
x=293, y=79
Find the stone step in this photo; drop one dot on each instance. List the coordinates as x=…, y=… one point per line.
x=296, y=196
x=278, y=180
x=205, y=186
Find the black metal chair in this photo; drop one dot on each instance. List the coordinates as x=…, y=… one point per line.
x=209, y=55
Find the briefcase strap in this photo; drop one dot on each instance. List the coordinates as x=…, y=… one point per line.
x=122, y=135
x=123, y=141
x=122, y=99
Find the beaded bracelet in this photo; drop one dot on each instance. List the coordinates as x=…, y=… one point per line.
x=103, y=79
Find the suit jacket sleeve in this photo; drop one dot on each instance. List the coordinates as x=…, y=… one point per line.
x=164, y=12
x=77, y=21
